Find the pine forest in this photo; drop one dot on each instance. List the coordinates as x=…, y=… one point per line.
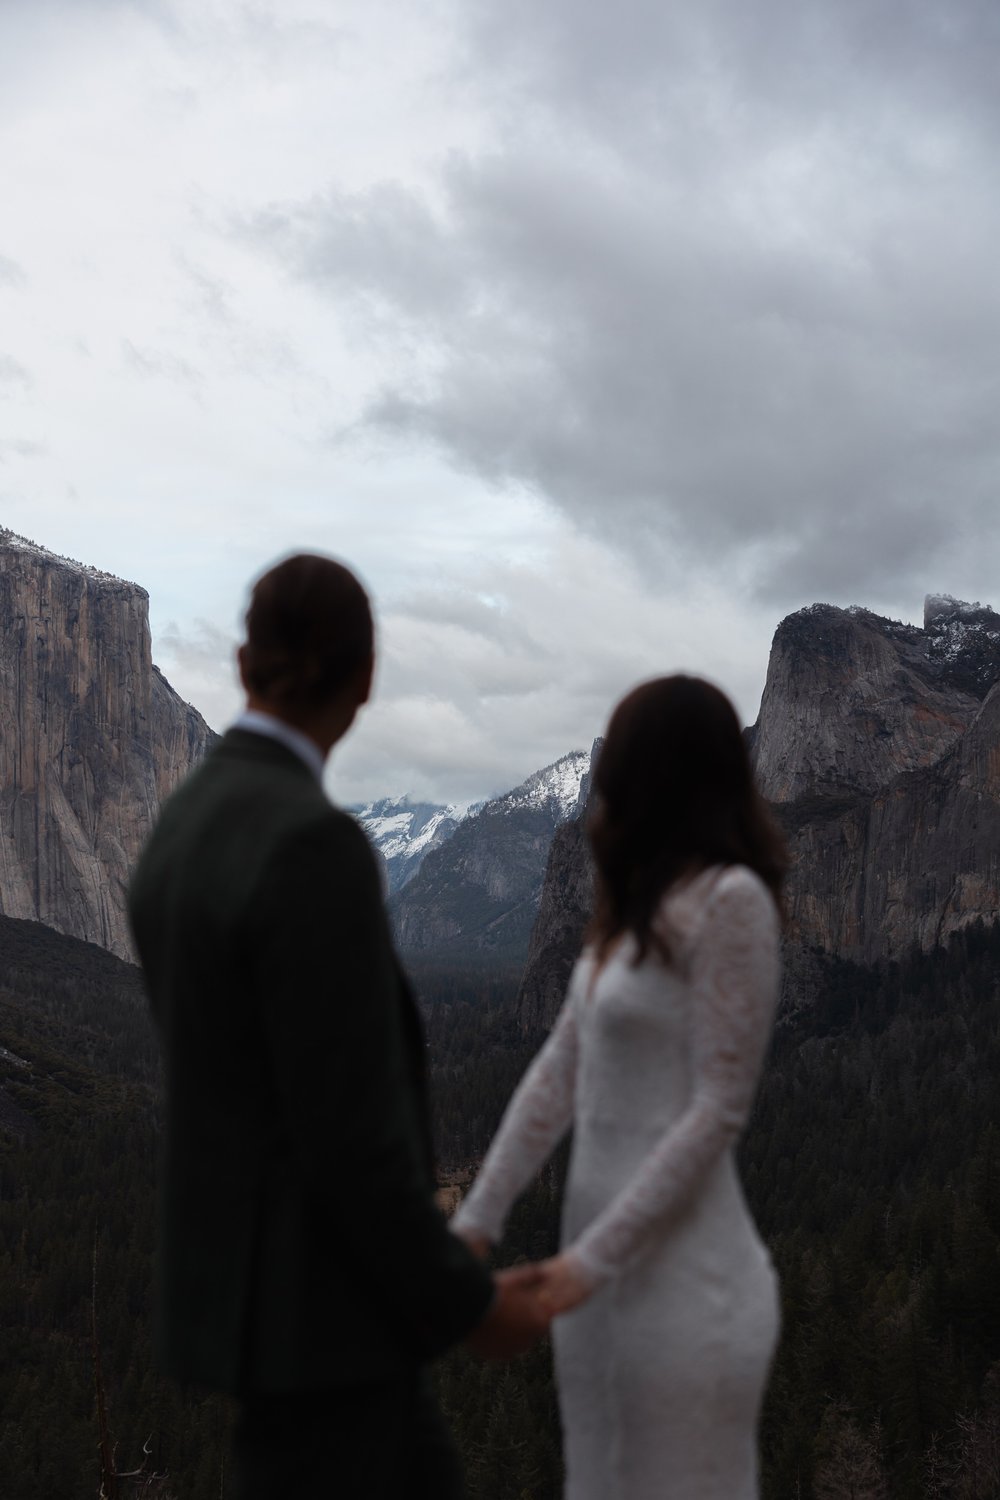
x=872, y=1165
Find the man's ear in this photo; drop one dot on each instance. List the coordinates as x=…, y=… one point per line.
x=241, y=658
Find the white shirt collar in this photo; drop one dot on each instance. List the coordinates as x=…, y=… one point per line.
x=257, y=722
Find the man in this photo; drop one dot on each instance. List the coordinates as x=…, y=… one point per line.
x=302, y=1264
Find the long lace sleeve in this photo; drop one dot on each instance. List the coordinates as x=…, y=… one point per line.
x=537, y=1117
x=734, y=979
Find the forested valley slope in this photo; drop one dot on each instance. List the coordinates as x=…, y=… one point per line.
x=872, y=1164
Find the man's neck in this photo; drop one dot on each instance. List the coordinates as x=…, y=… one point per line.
x=324, y=725
x=274, y=726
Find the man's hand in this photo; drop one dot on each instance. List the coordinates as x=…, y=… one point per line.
x=517, y=1318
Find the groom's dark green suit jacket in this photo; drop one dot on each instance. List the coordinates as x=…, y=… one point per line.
x=300, y=1246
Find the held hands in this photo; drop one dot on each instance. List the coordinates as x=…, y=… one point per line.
x=563, y=1283
x=517, y=1317
x=528, y=1298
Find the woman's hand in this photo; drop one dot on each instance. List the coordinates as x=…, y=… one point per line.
x=476, y=1241
x=563, y=1283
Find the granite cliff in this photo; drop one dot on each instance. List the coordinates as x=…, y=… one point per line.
x=851, y=701
x=878, y=746
x=92, y=737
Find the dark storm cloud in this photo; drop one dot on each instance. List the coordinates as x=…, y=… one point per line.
x=727, y=289
x=384, y=245
x=638, y=65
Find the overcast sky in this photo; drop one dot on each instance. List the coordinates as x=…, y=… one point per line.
x=597, y=337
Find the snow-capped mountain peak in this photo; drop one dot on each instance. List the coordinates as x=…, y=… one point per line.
x=556, y=786
x=403, y=832
x=964, y=639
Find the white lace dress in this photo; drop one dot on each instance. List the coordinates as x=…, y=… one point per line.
x=661, y=1371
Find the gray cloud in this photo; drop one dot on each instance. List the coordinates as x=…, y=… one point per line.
x=382, y=245
x=202, y=646
x=210, y=296
x=11, y=274
x=283, y=39
x=727, y=289
x=226, y=328
x=660, y=321
x=160, y=363
x=641, y=67
x=13, y=373
x=21, y=448
x=478, y=687
x=199, y=660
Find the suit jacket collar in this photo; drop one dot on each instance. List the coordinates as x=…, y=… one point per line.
x=246, y=744
x=274, y=728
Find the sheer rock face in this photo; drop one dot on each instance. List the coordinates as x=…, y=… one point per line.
x=92, y=737
x=908, y=865
x=852, y=700
x=878, y=745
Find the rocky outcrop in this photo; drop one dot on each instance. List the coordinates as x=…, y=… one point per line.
x=907, y=866
x=875, y=744
x=878, y=746
x=851, y=701
x=91, y=739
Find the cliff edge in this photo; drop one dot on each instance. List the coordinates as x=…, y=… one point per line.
x=92, y=737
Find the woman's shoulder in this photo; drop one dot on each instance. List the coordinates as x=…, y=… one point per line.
x=589, y=971
x=728, y=890
x=739, y=882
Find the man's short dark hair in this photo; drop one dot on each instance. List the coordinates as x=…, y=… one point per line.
x=309, y=630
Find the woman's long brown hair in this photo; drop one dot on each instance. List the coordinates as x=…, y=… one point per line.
x=675, y=794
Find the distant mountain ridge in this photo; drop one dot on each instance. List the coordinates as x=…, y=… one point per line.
x=405, y=832
x=964, y=640
x=478, y=892
x=554, y=789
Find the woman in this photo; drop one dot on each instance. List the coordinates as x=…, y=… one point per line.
x=669, y=1300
